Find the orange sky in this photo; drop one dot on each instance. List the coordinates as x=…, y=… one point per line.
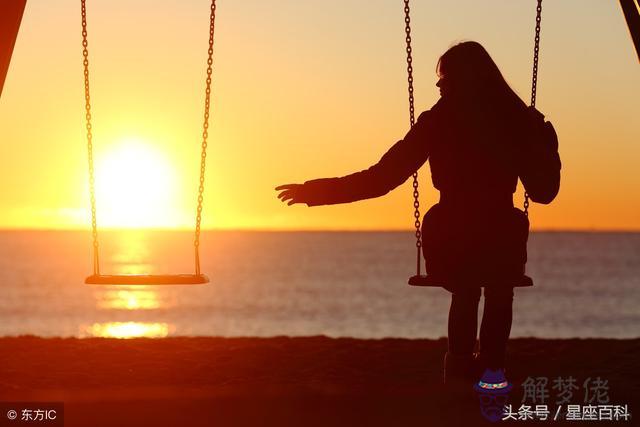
x=301, y=90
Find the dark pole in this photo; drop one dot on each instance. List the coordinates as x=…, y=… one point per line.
x=631, y=10
x=10, y=17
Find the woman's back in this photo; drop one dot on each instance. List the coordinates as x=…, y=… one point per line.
x=473, y=153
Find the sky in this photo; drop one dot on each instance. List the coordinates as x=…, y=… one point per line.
x=301, y=90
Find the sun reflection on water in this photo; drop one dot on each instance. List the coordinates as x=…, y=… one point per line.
x=138, y=298
x=126, y=330
x=131, y=253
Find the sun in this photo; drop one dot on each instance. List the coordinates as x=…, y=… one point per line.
x=135, y=187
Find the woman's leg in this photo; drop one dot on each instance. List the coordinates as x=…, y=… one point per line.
x=463, y=321
x=496, y=325
x=463, y=328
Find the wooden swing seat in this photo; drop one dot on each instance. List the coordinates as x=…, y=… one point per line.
x=146, y=279
x=430, y=280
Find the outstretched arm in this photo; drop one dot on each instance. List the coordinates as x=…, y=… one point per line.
x=399, y=163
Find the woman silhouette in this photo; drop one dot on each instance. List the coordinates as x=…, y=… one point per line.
x=478, y=139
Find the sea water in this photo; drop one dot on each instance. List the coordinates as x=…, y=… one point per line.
x=299, y=283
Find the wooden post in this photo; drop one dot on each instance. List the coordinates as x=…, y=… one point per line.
x=10, y=16
x=631, y=10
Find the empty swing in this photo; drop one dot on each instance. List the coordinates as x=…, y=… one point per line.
x=419, y=279
x=146, y=279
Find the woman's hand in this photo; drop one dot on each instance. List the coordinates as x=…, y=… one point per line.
x=291, y=193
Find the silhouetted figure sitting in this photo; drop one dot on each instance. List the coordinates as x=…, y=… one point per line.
x=479, y=138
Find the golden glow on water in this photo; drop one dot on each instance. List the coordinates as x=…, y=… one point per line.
x=128, y=330
x=131, y=253
x=130, y=298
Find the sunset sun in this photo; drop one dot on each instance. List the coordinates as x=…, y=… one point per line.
x=135, y=187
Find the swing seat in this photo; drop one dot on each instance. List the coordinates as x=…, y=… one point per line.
x=430, y=280
x=146, y=279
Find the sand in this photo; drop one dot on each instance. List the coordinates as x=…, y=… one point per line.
x=311, y=381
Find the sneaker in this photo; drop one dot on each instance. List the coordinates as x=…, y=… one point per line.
x=458, y=370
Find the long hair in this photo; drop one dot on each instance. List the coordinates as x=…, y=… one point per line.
x=475, y=77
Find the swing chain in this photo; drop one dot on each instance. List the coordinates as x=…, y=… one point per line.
x=536, y=54
x=534, y=79
x=205, y=135
x=87, y=107
x=416, y=194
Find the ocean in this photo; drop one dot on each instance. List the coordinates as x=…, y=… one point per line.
x=339, y=284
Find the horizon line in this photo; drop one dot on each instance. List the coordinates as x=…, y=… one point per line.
x=298, y=230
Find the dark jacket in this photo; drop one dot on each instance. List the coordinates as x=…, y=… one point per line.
x=476, y=155
x=473, y=154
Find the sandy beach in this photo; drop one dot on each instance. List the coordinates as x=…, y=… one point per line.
x=283, y=381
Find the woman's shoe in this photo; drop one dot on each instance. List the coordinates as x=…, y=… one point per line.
x=478, y=366
x=458, y=370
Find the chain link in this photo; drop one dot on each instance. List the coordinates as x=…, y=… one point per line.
x=534, y=79
x=205, y=135
x=412, y=114
x=87, y=107
x=536, y=54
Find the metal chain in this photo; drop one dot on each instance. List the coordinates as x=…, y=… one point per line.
x=205, y=135
x=416, y=194
x=534, y=79
x=87, y=107
x=536, y=54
